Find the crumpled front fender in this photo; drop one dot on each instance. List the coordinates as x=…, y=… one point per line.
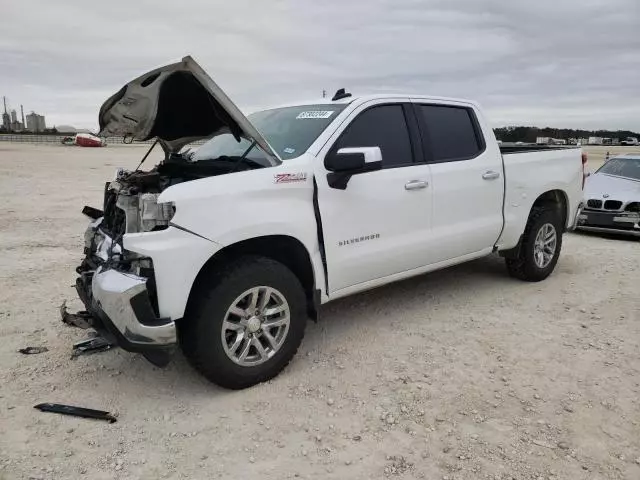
x=178, y=256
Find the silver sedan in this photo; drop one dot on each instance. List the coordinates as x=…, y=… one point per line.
x=612, y=197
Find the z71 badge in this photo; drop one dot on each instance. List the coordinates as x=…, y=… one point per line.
x=290, y=177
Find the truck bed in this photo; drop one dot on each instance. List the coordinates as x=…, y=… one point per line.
x=536, y=169
x=509, y=148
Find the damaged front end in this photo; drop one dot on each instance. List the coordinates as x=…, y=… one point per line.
x=117, y=286
x=175, y=104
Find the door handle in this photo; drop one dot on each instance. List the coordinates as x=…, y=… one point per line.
x=415, y=185
x=490, y=175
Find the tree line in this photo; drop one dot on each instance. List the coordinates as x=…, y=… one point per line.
x=529, y=134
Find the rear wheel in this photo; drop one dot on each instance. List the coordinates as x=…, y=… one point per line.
x=540, y=246
x=246, y=324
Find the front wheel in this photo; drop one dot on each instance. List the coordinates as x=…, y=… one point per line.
x=540, y=246
x=246, y=324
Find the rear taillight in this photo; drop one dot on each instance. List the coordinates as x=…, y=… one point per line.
x=584, y=168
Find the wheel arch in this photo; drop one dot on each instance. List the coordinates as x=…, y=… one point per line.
x=285, y=249
x=555, y=198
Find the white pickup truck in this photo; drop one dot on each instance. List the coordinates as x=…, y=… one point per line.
x=228, y=249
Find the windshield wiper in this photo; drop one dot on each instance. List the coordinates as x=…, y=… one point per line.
x=237, y=160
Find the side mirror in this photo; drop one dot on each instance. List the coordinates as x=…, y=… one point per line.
x=347, y=162
x=354, y=160
x=341, y=161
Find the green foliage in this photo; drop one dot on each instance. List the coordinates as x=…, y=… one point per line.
x=529, y=134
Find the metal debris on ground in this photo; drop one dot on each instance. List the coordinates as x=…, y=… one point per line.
x=76, y=411
x=95, y=344
x=33, y=350
x=80, y=319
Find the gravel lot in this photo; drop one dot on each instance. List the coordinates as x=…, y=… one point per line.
x=461, y=374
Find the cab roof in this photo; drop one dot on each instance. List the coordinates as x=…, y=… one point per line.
x=366, y=98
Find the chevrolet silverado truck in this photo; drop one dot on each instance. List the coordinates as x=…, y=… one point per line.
x=227, y=250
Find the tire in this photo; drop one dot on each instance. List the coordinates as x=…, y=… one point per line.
x=525, y=266
x=210, y=349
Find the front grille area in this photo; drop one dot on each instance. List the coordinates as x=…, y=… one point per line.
x=594, y=203
x=612, y=205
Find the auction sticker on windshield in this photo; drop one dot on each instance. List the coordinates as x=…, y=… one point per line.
x=316, y=114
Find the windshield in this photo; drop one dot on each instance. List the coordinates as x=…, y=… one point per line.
x=290, y=131
x=622, y=167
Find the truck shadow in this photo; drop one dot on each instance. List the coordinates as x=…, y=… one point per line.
x=368, y=310
x=357, y=320
x=379, y=306
x=361, y=318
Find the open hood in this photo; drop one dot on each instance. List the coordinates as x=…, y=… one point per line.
x=177, y=104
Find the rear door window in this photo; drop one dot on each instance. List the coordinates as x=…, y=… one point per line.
x=382, y=126
x=452, y=132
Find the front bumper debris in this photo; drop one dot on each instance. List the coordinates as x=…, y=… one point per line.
x=94, y=344
x=123, y=298
x=119, y=303
x=80, y=319
x=121, y=312
x=76, y=411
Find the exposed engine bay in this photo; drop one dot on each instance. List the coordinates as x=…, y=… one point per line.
x=131, y=199
x=131, y=206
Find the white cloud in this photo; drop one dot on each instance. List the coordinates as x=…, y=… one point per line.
x=571, y=63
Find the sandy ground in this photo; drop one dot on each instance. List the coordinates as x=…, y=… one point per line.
x=461, y=374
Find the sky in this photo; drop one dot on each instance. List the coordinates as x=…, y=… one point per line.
x=560, y=63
